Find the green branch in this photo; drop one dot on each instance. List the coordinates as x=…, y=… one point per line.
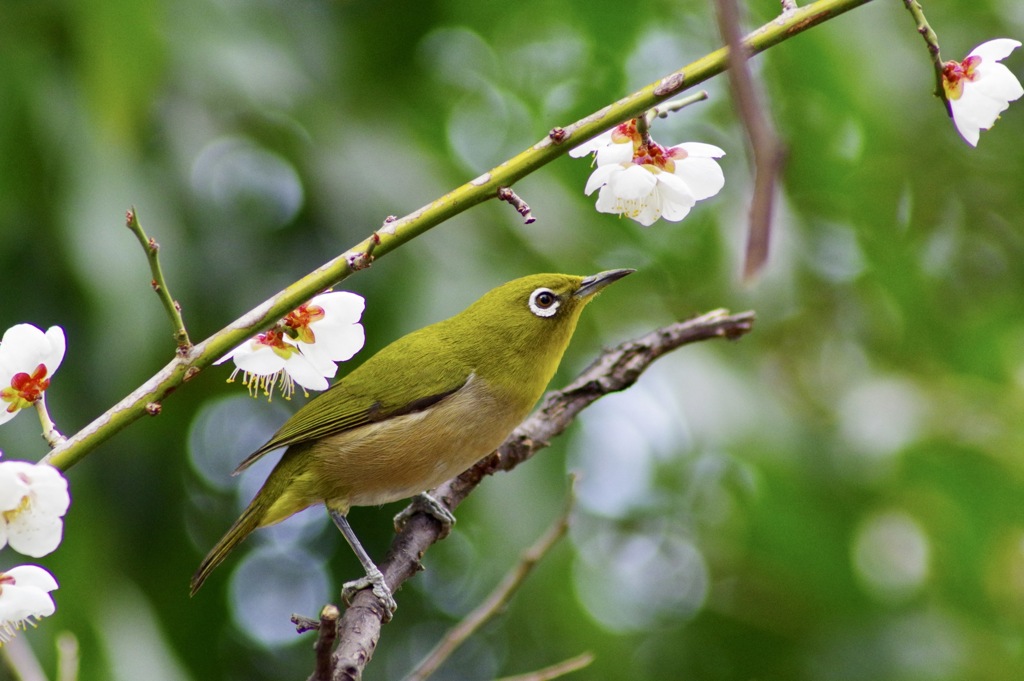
x=146, y=399
x=931, y=40
x=152, y=249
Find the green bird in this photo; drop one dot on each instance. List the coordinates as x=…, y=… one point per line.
x=419, y=412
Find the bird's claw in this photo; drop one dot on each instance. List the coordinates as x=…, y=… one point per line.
x=380, y=590
x=424, y=503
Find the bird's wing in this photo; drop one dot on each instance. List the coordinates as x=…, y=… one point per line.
x=374, y=392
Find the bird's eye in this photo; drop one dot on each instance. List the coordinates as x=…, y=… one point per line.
x=544, y=302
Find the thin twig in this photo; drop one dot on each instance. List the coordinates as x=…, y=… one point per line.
x=171, y=306
x=614, y=370
x=496, y=601
x=325, y=643
x=931, y=40
x=304, y=624
x=555, y=671
x=510, y=197
x=663, y=110
x=22, y=660
x=67, y=657
x=788, y=6
x=764, y=143
x=52, y=436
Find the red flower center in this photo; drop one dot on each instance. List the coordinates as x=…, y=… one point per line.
x=954, y=74
x=25, y=388
x=274, y=339
x=299, y=321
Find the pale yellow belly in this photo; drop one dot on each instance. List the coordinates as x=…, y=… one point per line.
x=405, y=455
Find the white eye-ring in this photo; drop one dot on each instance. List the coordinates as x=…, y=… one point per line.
x=544, y=302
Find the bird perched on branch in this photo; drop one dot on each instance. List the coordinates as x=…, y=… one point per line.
x=422, y=410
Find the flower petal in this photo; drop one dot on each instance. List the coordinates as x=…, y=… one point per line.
x=24, y=347
x=607, y=202
x=40, y=494
x=972, y=114
x=620, y=152
x=57, y=347
x=674, y=189
x=49, y=488
x=12, y=487
x=33, y=576
x=996, y=81
x=647, y=213
x=35, y=534
x=306, y=374
x=995, y=50
x=336, y=343
x=256, y=358
x=703, y=176
x=674, y=211
x=339, y=336
x=592, y=145
x=600, y=177
x=634, y=183
x=343, y=306
x=700, y=150
x=25, y=596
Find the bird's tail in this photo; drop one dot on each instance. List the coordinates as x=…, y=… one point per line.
x=251, y=518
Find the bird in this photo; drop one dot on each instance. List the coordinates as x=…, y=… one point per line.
x=418, y=412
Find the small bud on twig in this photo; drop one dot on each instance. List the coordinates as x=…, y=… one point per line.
x=362, y=260
x=509, y=196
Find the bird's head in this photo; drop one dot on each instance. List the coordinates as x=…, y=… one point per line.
x=537, y=312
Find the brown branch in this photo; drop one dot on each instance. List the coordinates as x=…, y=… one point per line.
x=573, y=664
x=328, y=632
x=615, y=369
x=764, y=143
x=499, y=598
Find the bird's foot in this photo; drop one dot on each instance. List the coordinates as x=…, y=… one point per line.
x=424, y=503
x=375, y=580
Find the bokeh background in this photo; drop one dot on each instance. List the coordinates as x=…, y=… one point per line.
x=840, y=495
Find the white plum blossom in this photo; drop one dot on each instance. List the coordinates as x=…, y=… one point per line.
x=658, y=182
x=327, y=327
x=304, y=347
x=980, y=88
x=24, y=598
x=28, y=359
x=33, y=501
x=641, y=179
x=271, y=359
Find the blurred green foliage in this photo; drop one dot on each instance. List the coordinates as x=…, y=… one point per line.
x=838, y=496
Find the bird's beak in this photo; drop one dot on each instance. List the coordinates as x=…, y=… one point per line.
x=595, y=282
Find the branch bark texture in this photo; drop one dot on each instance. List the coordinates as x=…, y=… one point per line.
x=614, y=370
